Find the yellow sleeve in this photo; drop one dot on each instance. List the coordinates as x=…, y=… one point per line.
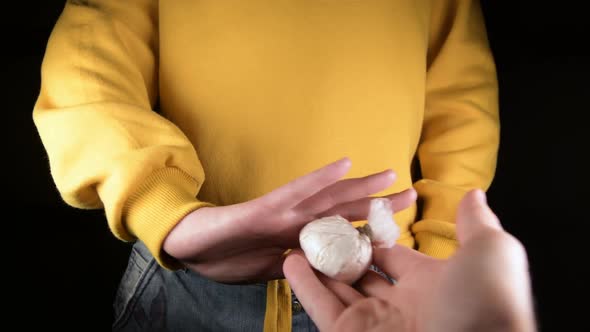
x=460, y=137
x=106, y=146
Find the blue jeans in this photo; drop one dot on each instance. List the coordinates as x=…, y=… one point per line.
x=151, y=298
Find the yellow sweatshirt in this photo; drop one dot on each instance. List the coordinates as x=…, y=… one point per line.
x=152, y=109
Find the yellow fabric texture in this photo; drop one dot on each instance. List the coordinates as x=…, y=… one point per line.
x=278, y=306
x=152, y=109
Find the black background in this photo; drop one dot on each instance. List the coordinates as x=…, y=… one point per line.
x=62, y=265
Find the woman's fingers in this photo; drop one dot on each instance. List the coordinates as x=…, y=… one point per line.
x=359, y=209
x=399, y=260
x=374, y=285
x=320, y=303
x=298, y=190
x=346, y=191
x=345, y=293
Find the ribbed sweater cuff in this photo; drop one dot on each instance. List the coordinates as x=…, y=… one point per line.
x=161, y=201
x=436, y=238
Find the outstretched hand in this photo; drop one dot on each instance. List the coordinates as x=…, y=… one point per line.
x=246, y=242
x=484, y=287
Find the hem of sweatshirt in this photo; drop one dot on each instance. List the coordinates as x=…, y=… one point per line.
x=156, y=207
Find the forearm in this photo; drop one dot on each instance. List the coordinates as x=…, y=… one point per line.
x=205, y=228
x=193, y=236
x=461, y=131
x=521, y=322
x=504, y=321
x=107, y=148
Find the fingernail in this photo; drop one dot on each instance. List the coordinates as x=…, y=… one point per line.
x=346, y=161
x=390, y=173
x=481, y=196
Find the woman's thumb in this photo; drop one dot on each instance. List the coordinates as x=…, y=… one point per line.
x=474, y=216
